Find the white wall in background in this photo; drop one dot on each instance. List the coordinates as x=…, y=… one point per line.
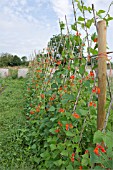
x=22, y=72
x=4, y=72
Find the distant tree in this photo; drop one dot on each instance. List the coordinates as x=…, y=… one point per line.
x=7, y=59
x=10, y=59
x=24, y=61
x=2, y=61
x=16, y=61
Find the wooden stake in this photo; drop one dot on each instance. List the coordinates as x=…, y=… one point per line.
x=101, y=73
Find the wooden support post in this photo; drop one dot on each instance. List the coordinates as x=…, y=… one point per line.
x=101, y=25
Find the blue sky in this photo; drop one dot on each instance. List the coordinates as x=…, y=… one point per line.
x=27, y=25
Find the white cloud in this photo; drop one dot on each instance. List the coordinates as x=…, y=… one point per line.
x=23, y=36
x=22, y=33
x=62, y=8
x=23, y=2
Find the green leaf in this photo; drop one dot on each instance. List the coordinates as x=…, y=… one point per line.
x=79, y=6
x=76, y=139
x=37, y=160
x=94, y=52
x=33, y=146
x=98, y=137
x=61, y=147
x=85, y=160
x=55, y=153
x=58, y=80
x=89, y=9
x=58, y=162
x=108, y=139
x=109, y=152
x=80, y=19
x=95, y=66
x=64, y=153
x=100, y=12
x=42, y=155
x=62, y=25
x=49, y=92
x=85, y=8
x=54, y=85
x=96, y=46
x=83, y=25
x=109, y=18
x=53, y=147
x=51, y=109
x=69, y=167
x=64, y=101
x=53, y=119
x=45, y=144
x=47, y=156
x=68, y=133
x=89, y=23
x=68, y=96
x=82, y=69
x=83, y=112
x=49, y=139
x=94, y=35
x=87, y=84
x=52, y=131
x=73, y=27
